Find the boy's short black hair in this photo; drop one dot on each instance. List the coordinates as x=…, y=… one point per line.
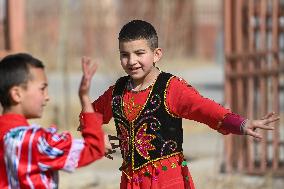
x=139, y=29
x=14, y=71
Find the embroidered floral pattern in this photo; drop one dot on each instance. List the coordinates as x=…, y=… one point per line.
x=143, y=142
x=124, y=139
x=154, y=123
x=116, y=104
x=132, y=108
x=155, y=103
x=170, y=144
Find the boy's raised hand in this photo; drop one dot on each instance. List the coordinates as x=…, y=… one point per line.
x=89, y=68
x=263, y=123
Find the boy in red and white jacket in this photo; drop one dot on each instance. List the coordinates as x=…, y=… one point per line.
x=30, y=156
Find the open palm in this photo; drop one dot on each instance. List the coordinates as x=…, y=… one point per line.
x=251, y=126
x=89, y=68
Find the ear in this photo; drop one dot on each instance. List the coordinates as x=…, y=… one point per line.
x=157, y=54
x=16, y=94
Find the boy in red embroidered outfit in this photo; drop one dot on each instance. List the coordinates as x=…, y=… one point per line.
x=30, y=156
x=148, y=106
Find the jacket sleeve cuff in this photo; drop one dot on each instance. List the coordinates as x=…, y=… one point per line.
x=233, y=123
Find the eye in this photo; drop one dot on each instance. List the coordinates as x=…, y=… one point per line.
x=140, y=53
x=43, y=88
x=123, y=54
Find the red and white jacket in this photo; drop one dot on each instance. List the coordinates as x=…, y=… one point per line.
x=30, y=156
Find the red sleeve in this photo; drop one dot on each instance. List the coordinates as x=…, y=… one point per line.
x=103, y=105
x=184, y=101
x=232, y=123
x=93, y=135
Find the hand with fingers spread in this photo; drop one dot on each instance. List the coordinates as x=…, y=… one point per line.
x=89, y=68
x=110, y=146
x=250, y=126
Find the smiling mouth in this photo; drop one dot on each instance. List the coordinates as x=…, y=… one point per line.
x=133, y=69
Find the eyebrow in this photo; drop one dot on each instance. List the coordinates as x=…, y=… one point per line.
x=138, y=50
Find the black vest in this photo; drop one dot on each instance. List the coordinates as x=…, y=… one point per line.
x=155, y=133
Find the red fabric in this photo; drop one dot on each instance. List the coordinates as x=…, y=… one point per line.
x=94, y=138
x=176, y=176
x=7, y=123
x=40, y=152
x=232, y=123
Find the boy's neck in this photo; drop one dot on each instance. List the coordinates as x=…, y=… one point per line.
x=12, y=110
x=147, y=81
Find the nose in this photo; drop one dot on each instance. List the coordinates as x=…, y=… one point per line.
x=47, y=97
x=132, y=60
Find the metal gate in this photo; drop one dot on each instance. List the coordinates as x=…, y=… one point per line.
x=254, y=72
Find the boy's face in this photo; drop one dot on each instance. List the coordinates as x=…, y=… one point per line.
x=137, y=59
x=35, y=95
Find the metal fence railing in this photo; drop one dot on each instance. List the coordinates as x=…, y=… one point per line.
x=254, y=71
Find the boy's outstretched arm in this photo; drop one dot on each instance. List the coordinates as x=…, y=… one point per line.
x=91, y=121
x=89, y=70
x=57, y=151
x=250, y=126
